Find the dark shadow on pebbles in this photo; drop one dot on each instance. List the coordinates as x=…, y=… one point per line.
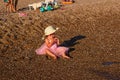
x=24, y=9
x=71, y=42
x=109, y=63
x=106, y=75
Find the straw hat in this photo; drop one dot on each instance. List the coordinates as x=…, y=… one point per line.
x=49, y=30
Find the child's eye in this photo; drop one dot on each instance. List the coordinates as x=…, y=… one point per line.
x=53, y=36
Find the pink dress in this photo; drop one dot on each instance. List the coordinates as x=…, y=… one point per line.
x=57, y=50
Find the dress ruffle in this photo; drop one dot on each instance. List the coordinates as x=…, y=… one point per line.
x=56, y=50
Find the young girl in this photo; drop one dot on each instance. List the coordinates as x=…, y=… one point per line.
x=50, y=46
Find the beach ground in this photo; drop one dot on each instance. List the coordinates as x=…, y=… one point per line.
x=91, y=28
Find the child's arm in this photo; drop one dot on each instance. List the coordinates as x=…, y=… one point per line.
x=49, y=43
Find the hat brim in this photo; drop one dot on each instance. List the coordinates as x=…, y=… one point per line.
x=53, y=31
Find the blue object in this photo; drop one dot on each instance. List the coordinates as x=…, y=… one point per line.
x=42, y=9
x=5, y=0
x=49, y=8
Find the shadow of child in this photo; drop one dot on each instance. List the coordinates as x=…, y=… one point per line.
x=71, y=43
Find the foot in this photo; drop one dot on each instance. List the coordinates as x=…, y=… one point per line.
x=66, y=57
x=54, y=57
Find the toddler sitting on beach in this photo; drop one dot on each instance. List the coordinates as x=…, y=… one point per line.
x=51, y=45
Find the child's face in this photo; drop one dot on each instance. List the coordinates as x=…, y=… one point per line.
x=51, y=35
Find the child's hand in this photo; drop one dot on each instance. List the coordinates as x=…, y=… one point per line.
x=57, y=41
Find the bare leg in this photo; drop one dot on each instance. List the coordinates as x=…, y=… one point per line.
x=51, y=54
x=12, y=8
x=64, y=56
x=7, y=7
x=16, y=3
